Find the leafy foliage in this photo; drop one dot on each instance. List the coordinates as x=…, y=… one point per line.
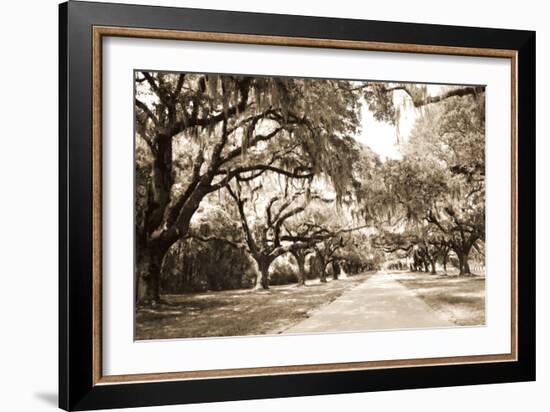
x=235, y=172
x=436, y=193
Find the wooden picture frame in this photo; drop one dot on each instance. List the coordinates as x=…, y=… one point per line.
x=83, y=26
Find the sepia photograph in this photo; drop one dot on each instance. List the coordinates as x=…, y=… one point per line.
x=273, y=205
x=270, y=205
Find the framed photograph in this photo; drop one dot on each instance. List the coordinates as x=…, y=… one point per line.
x=256, y=205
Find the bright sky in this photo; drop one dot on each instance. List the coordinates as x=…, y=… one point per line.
x=383, y=137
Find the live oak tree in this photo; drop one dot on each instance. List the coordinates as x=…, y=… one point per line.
x=193, y=263
x=404, y=245
x=432, y=214
x=320, y=230
x=263, y=238
x=440, y=181
x=314, y=228
x=456, y=142
x=410, y=190
x=308, y=238
x=230, y=127
x=293, y=218
x=326, y=253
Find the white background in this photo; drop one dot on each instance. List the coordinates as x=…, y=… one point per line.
x=28, y=170
x=124, y=356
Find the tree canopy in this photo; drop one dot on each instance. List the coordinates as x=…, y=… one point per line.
x=262, y=167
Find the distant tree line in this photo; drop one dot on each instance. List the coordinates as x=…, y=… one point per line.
x=435, y=195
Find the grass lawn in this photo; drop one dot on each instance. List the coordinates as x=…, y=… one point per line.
x=238, y=312
x=461, y=298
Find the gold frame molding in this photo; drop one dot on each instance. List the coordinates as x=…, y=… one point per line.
x=99, y=32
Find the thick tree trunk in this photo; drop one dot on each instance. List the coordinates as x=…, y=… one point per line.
x=417, y=262
x=300, y=259
x=460, y=260
x=335, y=270
x=323, y=272
x=463, y=261
x=466, y=266
x=149, y=264
x=264, y=279
x=321, y=267
x=300, y=256
x=154, y=250
x=141, y=274
x=263, y=269
x=149, y=258
x=432, y=264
